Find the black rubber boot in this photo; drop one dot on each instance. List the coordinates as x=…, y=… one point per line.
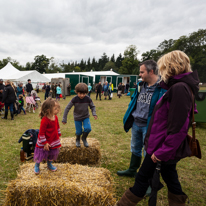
x=134, y=165
x=84, y=139
x=12, y=115
x=5, y=115
x=78, y=140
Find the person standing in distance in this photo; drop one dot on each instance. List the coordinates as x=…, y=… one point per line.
x=99, y=90
x=29, y=87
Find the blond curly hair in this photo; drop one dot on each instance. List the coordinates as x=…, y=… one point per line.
x=173, y=63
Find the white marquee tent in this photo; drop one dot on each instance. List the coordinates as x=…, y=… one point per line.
x=23, y=76
x=7, y=71
x=13, y=74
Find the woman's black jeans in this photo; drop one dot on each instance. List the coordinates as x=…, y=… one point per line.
x=168, y=173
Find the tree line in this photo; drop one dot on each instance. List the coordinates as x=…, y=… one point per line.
x=194, y=45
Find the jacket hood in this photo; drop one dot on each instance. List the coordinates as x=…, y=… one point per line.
x=7, y=85
x=190, y=78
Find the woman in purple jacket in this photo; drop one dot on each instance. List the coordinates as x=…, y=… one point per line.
x=167, y=129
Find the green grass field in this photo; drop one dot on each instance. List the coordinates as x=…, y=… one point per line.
x=115, y=148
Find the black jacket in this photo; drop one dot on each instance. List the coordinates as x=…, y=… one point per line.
x=1, y=94
x=8, y=94
x=29, y=88
x=99, y=88
x=120, y=87
x=48, y=88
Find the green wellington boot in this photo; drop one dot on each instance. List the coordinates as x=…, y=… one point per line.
x=134, y=165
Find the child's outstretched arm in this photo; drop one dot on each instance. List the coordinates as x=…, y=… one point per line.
x=93, y=109
x=68, y=107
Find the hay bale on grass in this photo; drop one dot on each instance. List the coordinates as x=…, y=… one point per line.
x=70, y=185
x=69, y=153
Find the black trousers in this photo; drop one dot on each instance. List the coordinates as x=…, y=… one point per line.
x=46, y=95
x=146, y=171
x=98, y=93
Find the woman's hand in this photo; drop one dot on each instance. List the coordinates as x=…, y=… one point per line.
x=154, y=159
x=46, y=146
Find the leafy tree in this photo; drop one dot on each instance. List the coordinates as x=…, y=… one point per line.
x=28, y=66
x=99, y=65
x=130, y=62
x=15, y=63
x=119, y=60
x=65, y=67
x=94, y=64
x=104, y=59
x=152, y=54
x=88, y=65
x=166, y=46
x=53, y=68
x=194, y=45
x=41, y=63
x=4, y=62
x=112, y=58
x=109, y=65
x=77, y=69
x=82, y=65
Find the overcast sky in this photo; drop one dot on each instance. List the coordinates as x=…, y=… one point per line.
x=70, y=30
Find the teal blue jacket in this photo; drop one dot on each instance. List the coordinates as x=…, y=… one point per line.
x=128, y=118
x=59, y=90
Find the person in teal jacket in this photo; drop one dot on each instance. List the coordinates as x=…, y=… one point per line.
x=58, y=92
x=89, y=89
x=139, y=112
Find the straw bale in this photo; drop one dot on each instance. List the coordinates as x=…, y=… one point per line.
x=69, y=153
x=70, y=185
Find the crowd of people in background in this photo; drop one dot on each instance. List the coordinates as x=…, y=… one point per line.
x=54, y=90
x=107, y=90
x=14, y=98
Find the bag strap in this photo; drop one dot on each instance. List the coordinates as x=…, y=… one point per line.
x=193, y=116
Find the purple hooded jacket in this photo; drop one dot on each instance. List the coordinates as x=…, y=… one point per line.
x=171, y=117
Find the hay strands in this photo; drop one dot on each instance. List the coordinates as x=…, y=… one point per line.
x=70, y=185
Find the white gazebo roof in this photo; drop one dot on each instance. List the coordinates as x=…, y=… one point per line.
x=23, y=76
x=7, y=71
